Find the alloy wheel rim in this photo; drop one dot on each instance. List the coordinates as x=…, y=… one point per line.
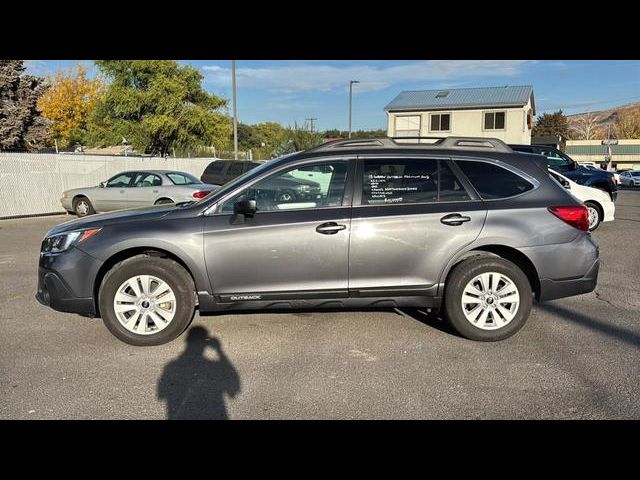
x=82, y=207
x=593, y=217
x=490, y=301
x=144, y=304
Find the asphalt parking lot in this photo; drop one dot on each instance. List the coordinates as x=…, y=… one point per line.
x=577, y=358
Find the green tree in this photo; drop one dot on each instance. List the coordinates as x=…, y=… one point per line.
x=297, y=138
x=21, y=123
x=551, y=124
x=335, y=133
x=157, y=105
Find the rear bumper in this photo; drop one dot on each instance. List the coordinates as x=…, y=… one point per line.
x=552, y=289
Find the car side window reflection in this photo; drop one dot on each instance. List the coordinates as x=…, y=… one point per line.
x=304, y=187
x=147, y=180
x=122, y=180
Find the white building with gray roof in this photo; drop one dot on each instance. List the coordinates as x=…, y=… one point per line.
x=499, y=112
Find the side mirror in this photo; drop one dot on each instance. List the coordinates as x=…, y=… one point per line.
x=566, y=184
x=103, y=184
x=245, y=206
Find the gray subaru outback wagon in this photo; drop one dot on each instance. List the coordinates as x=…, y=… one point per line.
x=465, y=226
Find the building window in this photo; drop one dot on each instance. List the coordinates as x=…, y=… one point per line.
x=440, y=122
x=494, y=120
x=408, y=126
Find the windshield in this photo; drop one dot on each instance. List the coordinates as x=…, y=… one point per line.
x=635, y=174
x=238, y=180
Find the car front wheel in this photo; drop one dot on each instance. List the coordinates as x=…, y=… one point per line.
x=82, y=207
x=147, y=300
x=487, y=298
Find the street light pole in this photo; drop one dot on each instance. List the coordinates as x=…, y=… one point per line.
x=235, y=111
x=351, y=82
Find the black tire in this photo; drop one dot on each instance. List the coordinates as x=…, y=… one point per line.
x=466, y=271
x=597, y=208
x=165, y=269
x=163, y=201
x=79, y=203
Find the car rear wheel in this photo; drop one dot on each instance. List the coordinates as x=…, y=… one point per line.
x=146, y=300
x=595, y=217
x=487, y=298
x=82, y=207
x=163, y=201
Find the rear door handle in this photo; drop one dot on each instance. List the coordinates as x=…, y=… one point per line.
x=330, y=228
x=454, y=219
x=121, y=191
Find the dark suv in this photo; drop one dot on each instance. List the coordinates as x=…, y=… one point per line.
x=564, y=164
x=220, y=172
x=464, y=225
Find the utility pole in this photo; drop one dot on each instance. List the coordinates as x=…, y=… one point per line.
x=311, y=125
x=351, y=82
x=235, y=111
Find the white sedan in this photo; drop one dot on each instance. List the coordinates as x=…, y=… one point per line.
x=598, y=202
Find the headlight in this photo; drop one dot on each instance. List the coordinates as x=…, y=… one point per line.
x=63, y=241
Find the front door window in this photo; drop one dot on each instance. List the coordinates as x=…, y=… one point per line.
x=319, y=185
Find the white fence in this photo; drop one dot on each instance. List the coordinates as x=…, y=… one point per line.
x=32, y=183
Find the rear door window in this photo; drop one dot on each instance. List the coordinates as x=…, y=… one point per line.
x=492, y=181
x=417, y=180
x=145, y=179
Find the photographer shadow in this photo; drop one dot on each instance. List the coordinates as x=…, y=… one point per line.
x=194, y=386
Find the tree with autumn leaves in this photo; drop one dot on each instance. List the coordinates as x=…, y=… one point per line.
x=68, y=104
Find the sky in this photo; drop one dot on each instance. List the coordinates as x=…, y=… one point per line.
x=291, y=91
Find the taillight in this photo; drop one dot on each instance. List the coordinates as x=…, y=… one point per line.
x=201, y=193
x=575, y=215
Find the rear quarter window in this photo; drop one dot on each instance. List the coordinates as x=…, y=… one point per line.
x=492, y=181
x=214, y=168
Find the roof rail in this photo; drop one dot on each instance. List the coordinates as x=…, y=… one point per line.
x=463, y=143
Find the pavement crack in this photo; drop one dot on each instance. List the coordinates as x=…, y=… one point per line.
x=598, y=297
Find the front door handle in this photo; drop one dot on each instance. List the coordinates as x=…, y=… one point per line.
x=454, y=219
x=122, y=191
x=330, y=228
x=155, y=191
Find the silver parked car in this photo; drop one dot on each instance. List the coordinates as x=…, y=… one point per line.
x=139, y=188
x=630, y=178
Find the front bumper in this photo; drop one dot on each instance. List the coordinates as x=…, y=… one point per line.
x=66, y=280
x=54, y=293
x=552, y=289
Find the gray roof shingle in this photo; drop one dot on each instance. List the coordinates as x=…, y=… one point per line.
x=486, y=97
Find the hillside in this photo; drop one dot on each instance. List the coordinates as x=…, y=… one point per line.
x=604, y=116
x=596, y=124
